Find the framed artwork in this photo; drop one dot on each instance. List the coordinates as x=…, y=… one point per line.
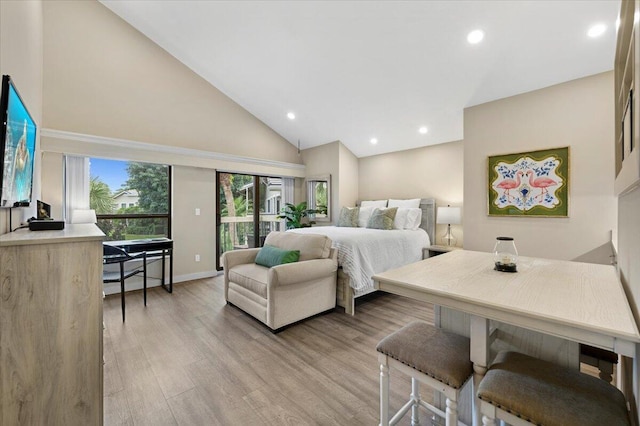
x=529, y=184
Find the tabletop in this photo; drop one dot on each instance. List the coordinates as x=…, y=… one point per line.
x=580, y=301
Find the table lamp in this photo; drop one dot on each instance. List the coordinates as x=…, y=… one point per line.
x=449, y=216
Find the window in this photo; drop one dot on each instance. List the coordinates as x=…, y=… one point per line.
x=240, y=224
x=318, y=197
x=132, y=200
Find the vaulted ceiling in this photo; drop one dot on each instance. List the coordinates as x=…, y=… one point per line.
x=360, y=70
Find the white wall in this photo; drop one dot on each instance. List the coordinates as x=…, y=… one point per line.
x=578, y=114
x=431, y=172
x=21, y=58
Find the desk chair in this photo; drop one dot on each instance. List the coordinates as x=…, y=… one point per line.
x=111, y=255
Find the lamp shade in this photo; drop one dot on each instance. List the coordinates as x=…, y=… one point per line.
x=83, y=216
x=449, y=215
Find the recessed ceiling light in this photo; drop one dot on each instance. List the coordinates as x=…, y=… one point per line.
x=373, y=141
x=475, y=36
x=597, y=30
x=291, y=116
x=423, y=130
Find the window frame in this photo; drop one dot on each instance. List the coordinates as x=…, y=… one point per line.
x=168, y=215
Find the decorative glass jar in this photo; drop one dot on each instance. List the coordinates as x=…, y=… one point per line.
x=505, y=255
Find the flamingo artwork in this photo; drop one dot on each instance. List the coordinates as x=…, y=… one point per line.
x=509, y=184
x=541, y=182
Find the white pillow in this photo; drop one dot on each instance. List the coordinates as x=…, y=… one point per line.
x=401, y=218
x=409, y=204
x=414, y=219
x=376, y=203
x=364, y=215
x=407, y=219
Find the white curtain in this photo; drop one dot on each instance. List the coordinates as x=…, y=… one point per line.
x=288, y=187
x=76, y=184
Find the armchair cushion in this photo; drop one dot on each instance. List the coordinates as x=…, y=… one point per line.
x=272, y=256
x=287, y=292
x=311, y=246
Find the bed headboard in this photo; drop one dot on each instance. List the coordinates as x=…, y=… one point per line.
x=428, y=206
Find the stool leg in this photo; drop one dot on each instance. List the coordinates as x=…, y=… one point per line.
x=452, y=413
x=415, y=397
x=384, y=391
x=488, y=421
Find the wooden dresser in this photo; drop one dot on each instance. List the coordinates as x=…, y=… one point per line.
x=51, y=327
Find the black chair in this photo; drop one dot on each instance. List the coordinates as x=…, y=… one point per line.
x=111, y=255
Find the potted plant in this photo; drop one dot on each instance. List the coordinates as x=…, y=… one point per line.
x=294, y=214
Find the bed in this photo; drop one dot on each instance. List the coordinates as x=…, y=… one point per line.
x=364, y=252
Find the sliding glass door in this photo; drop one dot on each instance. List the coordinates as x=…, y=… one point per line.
x=247, y=210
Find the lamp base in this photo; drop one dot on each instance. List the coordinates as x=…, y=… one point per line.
x=448, y=239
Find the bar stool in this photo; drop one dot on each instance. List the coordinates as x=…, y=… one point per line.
x=431, y=356
x=522, y=390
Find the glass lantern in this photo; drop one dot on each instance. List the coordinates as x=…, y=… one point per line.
x=505, y=255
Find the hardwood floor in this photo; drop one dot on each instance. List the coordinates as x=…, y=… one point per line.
x=189, y=359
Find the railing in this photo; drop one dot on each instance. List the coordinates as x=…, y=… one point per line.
x=243, y=226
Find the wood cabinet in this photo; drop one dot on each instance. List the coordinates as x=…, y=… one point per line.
x=627, y=103
x=51, y=327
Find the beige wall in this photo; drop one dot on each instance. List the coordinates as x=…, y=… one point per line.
x=123, y=97
x=578, y=114
x=21, y=58
x=194, y=188
x=431, y=172
x=105, y=78
x=325, y=160
x=336, y=160
x=349, y=169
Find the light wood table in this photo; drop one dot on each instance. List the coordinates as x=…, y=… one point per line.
x=581, y=302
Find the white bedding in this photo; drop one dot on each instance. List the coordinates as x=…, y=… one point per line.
x=364, y=252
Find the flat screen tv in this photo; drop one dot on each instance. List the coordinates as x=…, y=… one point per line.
x=17, y=147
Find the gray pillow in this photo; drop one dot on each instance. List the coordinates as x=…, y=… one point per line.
x=349, y=217
x=382, y=218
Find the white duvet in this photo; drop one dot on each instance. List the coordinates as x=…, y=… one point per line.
x=364, y=252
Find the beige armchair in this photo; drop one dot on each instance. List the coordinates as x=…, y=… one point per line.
x=283, y=294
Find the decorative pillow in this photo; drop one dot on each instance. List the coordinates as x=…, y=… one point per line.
x=408, y=204
x=272, y=256
x=349, y=217
x=364, y=215
x=382, y=218
x=376, y=203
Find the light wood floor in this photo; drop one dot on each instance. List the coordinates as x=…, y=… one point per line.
x=189, y=359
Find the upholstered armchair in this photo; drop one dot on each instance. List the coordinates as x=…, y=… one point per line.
x=284, y=293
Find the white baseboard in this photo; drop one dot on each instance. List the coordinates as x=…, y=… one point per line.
x=135, y=283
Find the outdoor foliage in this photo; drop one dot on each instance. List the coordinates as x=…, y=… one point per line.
x=152, y=183
x=293, y=214
x=100, y=198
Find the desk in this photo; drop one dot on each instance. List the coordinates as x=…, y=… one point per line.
x=155, y=247
x=581, y=302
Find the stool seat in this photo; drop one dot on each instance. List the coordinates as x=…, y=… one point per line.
x=430, y=356
x=432, y=351
x=541, y=392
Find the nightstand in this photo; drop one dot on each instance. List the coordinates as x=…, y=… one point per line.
x=436, y=250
